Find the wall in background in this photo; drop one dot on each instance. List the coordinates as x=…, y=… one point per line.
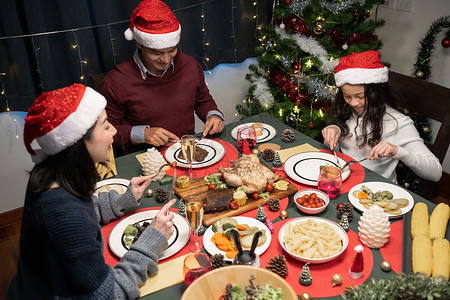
x=401, y=37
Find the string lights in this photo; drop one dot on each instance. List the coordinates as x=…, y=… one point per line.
x=205, y=43
x=82, y=62
x=111, y=39
x=232, y=27
x=38, y=69
x=8, y=110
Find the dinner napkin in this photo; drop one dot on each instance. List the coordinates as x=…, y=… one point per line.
x=170, y=273
x=286, y=153
x=109, y=169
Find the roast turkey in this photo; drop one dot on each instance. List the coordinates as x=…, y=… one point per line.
x=249, y=173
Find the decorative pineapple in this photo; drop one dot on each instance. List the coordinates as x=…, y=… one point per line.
x=151, y=162
x=374, y=227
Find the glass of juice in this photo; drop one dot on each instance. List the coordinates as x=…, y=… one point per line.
x=195, y=265
x=246, y=139
x=330, y=181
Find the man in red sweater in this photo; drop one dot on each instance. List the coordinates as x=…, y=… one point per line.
x=152, y=97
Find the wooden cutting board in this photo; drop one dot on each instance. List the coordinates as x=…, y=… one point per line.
x=199, y=188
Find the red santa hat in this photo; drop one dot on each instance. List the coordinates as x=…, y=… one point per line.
x=357, y=268
x=361, y=68
x=154, y=25
x=60, y=118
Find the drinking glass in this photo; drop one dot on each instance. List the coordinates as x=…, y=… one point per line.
x=246, y=139
x=195, y=265
x=188, y=145
x=330, y=181
x=194, y=215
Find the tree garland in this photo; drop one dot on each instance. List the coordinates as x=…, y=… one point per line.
x=422, y=70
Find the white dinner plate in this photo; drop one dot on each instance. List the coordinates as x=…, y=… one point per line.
x=376, y=186
x=176, y=242
x=118, y=184
x=268, y=132
x=211, y=248
x=305, y=167
x=216, y=152
x=339, y=230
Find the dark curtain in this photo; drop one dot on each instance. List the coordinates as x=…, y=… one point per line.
x=49, y=44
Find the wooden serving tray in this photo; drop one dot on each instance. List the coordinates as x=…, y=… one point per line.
x=199, y=188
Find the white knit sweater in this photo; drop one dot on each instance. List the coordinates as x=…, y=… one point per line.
x=399, y=130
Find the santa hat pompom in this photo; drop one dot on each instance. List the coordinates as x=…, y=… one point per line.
x=361, y=68
x=128, y=34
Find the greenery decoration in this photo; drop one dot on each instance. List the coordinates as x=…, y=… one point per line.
x=399, y=287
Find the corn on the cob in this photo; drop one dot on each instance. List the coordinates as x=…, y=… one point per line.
x=441, y=258
x=422, y=255
x=419, y=220
x=438, y=221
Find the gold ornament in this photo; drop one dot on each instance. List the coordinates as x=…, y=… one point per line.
x=283, y=214
x=406, y=185
x=426, y=129
x=386, y=266
x=319, y=27
x=336, y=279
x=406, y=111
x=419, y=74
x=255, y=152
x=149, y=193
x=306, y=296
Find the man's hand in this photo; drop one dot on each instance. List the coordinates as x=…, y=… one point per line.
x=158, y=136
x=383, y=149
x=213, y=125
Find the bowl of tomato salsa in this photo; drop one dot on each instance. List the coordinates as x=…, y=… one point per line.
x=311, y=201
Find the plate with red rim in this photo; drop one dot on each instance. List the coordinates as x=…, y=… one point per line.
x=176, y=242
x=268, y=132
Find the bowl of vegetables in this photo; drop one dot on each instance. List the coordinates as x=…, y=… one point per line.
x=311, y=201
x=233, y=280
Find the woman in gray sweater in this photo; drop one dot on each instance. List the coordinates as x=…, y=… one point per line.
x=61, y=243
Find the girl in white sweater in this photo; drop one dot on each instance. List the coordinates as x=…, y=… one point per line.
x=367, y=123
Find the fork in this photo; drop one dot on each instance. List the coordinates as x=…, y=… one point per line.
x=351, y=162
x=160, y=168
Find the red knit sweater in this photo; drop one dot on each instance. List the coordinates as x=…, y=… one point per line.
x=168, y=101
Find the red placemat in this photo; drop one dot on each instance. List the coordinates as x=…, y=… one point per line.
x=321, y=273
x=111, y=259
x=392, y=250
x=231, y=153
x=357, y=175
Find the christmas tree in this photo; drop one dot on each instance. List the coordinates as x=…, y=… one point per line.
x=293, y=79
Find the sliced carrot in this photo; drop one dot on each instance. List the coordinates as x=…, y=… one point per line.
x=222, y=241
x=222, y=247
x=230, y=247
x=216, y=236
x=241, y=227
x=231, y=254
x=363, y=195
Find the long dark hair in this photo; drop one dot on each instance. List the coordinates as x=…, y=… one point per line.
x=73, y=169
x=377, y=97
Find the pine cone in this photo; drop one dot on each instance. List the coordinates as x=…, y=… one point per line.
x=274, y=204
x=346, y=208
x=278, y=265
x=288, y=135
x=218, y=260
x=268, y=154
x=162, y=195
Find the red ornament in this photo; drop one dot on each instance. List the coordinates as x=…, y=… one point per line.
x=339, y=206
x=288, y=2
x=445, y=43
x=311, y=125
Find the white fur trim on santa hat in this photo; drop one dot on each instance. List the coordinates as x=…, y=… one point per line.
x=361, y=76
x=73, y=128
x=154, y=41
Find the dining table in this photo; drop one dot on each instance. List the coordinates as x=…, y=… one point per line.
x=128, y=166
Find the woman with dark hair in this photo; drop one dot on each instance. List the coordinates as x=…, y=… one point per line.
x=61, y=244
x=367, y=122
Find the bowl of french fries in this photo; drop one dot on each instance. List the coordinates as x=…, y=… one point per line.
x=311, y=201
x=313, y=239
